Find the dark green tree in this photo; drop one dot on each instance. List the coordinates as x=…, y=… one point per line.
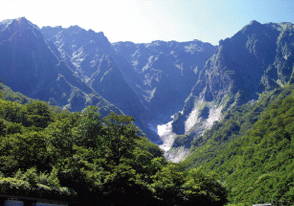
x=2, y=127
x=167, y=184
x=38, y=114
x=89, y=128
x=120, y=137
x=202, y=188
x=59, y=140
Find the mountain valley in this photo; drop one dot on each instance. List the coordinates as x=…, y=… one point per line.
x=226, y=108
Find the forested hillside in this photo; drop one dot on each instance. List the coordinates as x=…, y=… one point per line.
x=252, y=150
x=83, y=159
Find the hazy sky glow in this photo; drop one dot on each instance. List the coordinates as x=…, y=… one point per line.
x=143, y=21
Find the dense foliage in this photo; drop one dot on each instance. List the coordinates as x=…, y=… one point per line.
x=252, y=150
x=86, y=159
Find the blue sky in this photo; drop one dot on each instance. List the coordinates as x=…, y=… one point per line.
x=143, y=21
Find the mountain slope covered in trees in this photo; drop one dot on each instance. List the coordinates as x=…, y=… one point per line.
x=84, y=160
x=252, y=150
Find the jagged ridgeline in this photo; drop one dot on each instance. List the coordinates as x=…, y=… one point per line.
x=29, y=66
x=83, y=159
x=226, y=108
x=73, y=68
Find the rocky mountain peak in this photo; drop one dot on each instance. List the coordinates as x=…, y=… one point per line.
x=254, y=22
x=24, y=32
x=23, y=23
x=18, y=26
x=253, y=26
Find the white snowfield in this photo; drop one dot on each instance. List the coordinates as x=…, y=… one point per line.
x=194, y=124
x=214, y=115
x=166, y=135
x=192, y=119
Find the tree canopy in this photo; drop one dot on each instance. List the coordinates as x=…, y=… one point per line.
x=83, y=158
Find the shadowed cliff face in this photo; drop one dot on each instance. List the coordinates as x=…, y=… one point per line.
x=147, y=81
x=91, y=57
x=157, y=77
x=167, y=71
x=29, y=66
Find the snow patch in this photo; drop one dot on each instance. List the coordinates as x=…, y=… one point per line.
x=166, y=135
x=78, y=57
x=214, y=115
x=135, y=63
x=6, y=22
x=93, y=63
x=179, y=66
x=194, y=122
x=200, y=124
x=192, y=119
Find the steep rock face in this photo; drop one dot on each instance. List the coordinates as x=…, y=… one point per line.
x=241, y=62
x=91, y=56
x=258, y=58
x=80, y=49
x=252, y=61
x=29, y=66
x=150, y=82
x=166, y=71
x=109, y=82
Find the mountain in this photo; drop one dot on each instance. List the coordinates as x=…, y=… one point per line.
x=29, y=66
x=250, y=81
x=255, y=60
x=73, y=68
x=147, y=81
x=174, y=90
x=226, y=108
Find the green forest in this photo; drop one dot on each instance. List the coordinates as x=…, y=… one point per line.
x=252, y=150
x=84, y=159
